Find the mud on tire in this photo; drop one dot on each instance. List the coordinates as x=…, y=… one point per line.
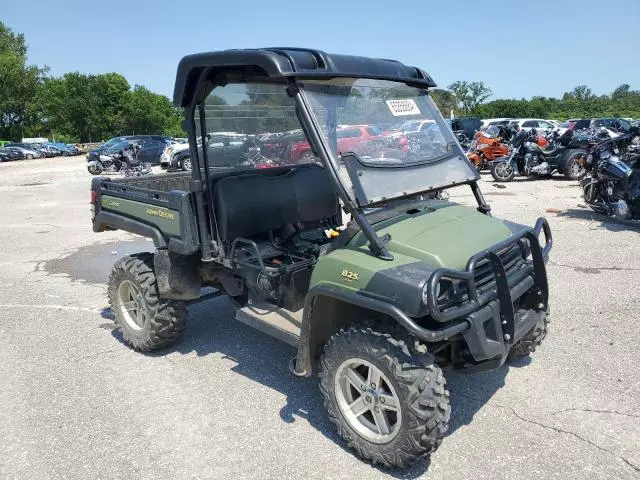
x=164, y=320
x=417, y=381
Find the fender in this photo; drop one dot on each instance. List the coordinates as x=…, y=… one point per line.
x=568, y=154
x=311, y=337
x=104, y=220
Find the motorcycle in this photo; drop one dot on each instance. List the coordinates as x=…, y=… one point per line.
x=123, y=162
x=563, y=154
x=488, y=146
x=612, y=186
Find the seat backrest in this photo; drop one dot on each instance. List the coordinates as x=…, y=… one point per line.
x=252, y=204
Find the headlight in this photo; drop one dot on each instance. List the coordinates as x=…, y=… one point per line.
x=443, y=293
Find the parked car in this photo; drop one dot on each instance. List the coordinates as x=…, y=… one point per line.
x=350, y=138
x=27, y=153
x=467, y=126
x=152, y=147
x=167, y=159
x=10, y=154
x=487, y=122
x=50, y=151
x=619, y=125
x=537, y=123
x=65, y=149
x=411, y=126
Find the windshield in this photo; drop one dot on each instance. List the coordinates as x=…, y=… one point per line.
x=415, y=137
x=115, y=147
x=410, y=137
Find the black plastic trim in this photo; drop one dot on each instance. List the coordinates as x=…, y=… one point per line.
x=129, y=225
x=394, y=312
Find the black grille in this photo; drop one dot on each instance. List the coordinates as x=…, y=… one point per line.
x=511, y=258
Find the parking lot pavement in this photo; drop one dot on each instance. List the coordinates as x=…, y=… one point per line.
x=77, y=403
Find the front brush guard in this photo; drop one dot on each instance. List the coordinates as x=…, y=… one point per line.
x=539, y=256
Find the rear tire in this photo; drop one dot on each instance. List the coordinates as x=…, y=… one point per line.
x=573, y=169
x=28, y=156
x=147, y=321
x=502, y=172
x=399, y=413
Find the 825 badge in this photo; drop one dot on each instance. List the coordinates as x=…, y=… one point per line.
x=349, y=275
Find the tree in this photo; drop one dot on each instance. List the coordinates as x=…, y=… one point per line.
x=18, y=82
x=581, y=93
x=470, y=94
x=149, y=113
x=445, y=100
x=621, y=91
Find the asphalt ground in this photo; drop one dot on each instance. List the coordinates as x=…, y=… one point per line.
x=75, y=402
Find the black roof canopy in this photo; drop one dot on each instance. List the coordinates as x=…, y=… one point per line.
x=289, y=62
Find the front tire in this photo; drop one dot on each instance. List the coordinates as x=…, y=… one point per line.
x=94, y=168
x=185, y=164
x=532, y=340
x=28, y=156
x=391, y=407
x=147, y=321
x=502, y=172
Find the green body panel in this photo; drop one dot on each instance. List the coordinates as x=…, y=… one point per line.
x=441, y=234
x=168, y=221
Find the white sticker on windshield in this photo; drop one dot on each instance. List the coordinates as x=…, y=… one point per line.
x=400, y=108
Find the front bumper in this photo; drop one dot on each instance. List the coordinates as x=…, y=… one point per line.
x=493, y=323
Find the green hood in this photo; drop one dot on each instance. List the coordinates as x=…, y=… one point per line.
x=424, y=237
x=441, y=234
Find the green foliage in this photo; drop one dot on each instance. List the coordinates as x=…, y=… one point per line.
x=469, y=94
x=18, y=83
x=446, y=101
x=149, y=113
x=578, y=103
x=76, y=106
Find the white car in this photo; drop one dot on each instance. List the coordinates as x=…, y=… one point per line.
x=487, y=122
x=410, y=126
x=537, y=123
x=170, y=151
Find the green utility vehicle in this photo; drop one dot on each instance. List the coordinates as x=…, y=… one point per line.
x=351, y=252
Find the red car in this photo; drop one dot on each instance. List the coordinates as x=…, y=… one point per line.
x=351, y=138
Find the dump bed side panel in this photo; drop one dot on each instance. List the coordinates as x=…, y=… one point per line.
x=168, y=217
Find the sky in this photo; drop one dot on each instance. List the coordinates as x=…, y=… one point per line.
x=518, y=48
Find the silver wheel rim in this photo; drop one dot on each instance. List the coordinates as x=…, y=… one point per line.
x=576, y=169
x=367, y=400
x=187, y=163
x=503, y=170
x=131, y=305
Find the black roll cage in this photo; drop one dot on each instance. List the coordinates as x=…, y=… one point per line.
x=209, y=78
